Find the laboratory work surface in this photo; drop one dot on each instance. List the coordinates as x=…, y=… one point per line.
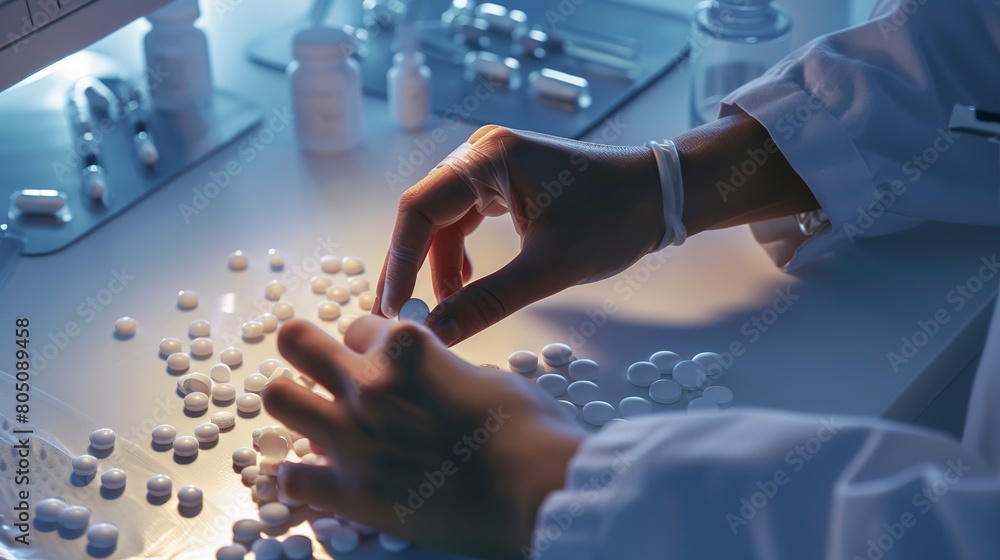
x=883, y=327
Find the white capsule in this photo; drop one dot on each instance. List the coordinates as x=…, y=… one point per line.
x=126, y=326
x=598, y=412
x=102, y=439
x=584, y=370
x=712, y=362
x=196, y=402
x=252, y=330
x=102, y=536
x=178, y=362
x=274, y=514
x=220, y=373
x=391, y=543
x=275, y=259
x=569, y=409
x=231, y=356
x=113, y=479
x=186, y=299
x=345, y=323
x=248, y=403
x=247, y=530
x=416, y=310
x=583, y=392
x=328, y=310
x=238, y=260
x=74, y=517
x=269, y=322
x=358, y=285
x=267, y=549
x=323, y=528
x=665, y=391
x=194, y=383
x=338, y=294
x=164, y=434
x=642, y=374
x=190, y=496
x=690, y=375
x=250, y=472
x=233, y=551
x=320, y=284
x=274, y=290
x=254, y=383
x=344, y=539
x=330, y=264
x=207, y=432
x=170, y=346
x=301, y=447
x=352, y=266
x=283, y=310
x=85, y=465
x=665, y=362
x=523, y=362
x=552, y=383
x=557, y=354
x=297, y=547
x=186, y=446
x=48, y=510
x=159, y=485
x=244, y=457
x=700, y=404
x=722, y=396
x=199, y=328
x=632, y=407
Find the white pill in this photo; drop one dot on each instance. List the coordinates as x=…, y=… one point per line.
x=199, y=328
x=274, y=290
x=196, y=402
x=238, y=260
x=272, y=444
x=102, y=439
x=113, y=479
x=301, y=447
x=330, y=264
x=552, y=383
x=267, y=549
x=583, y=392
x=598, y=412
x=246, y=530
x=269, y=322
x=250, y=472
x=366, y=300
x=328, y=310
x=584, y=370
x=702, y=404
x=712, y=362
x=632, y=407
x=268, y=366
x=84, y=465
x=569, y=409
x=665, y=391
x=358, y=286
x=642, y=374
x=223, y=392
x=523, y=362
x=231, y=552
x=254, y=383
x=323, y=528
x=48, y=510
x=164, y=434
x=186, y=299
x=248, y=403
x=722, y=396
x=338, y=294
x=297, y=547
x=311, y=459
x=220, y=373
x=170, y=346
x=74, y=517
x=126, y=326
x=352, y=266
x=320, y=284
x=665, y=362
x=391, y=543
x=690, y=375
x=345, y=322
x=269, y=466
x=252, y=330
x=416, y=310
x=159, y=485
x=265, y=488
x=274, y=514
x=344, y=539
x=190, y=496
x=207, y=432
x=557, y=354
x=186, y=446
x=244, y=457
x=281, y=372
x=275, y=259
x=194, y=383
x=178, y=361
x=102, y=535
x=283, y=310
x=231, y=356
x=202, y=348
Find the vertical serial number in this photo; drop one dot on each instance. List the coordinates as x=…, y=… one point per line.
x=22, y=415
x=22, y=370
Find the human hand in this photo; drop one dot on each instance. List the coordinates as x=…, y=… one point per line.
x=422, y=444
x=583, y=211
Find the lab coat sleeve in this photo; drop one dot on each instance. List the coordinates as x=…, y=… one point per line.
x=770, y=486
x=862, y=116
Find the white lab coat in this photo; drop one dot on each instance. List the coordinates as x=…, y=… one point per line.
x=770, y=485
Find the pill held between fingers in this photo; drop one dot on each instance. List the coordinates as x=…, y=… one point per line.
x=164, y=434
x=366, y=300
x=274, y=514
x=297, y=547
x=665, y=391
x=344, y=539
x=391, y=543
x=358, y=286
x=252, y=330
x=722, y=396
x=113, y=479
x=328, y=310
x=523, y=362
x=330, y=264
x=202, y=347
x=196, y=402
x=643, y=374
x=269, y=322
x=48, y=510
x=186, y=446
x=338, y=294
x=598, y=412
x=274, y=290
x=248, y=403
x=584, y=370
x=665, y=361
x=194, y=383
x=206, y=433
x=690, y=375
x=190, y=496
x=275, y=259
x=223, y=392
x=254, y=383
x=250, y=472
x=199, y=328
x=102, y=439
x=247, y=530
x=159, y=485
x=552, y=383
x=352, y=266
x=231, y=552
x=320, y=284
x=283, y=310
x=583, y=392
x=186, y=299
x=323, y=528
x=415, y=310
x=345, y=323
x=702, y=403
x=712, y=362
x=267, y=549
x=126, y=326
x=231, y=356
x=557, y=354
x=238, y=260
x=170, y=346
x=84, y=465
x=178, y=362
x=244, y=457
x=569, y=409
x=74, y=517
x=102, y=535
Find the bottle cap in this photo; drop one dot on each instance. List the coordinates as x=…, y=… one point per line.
x=323, y=43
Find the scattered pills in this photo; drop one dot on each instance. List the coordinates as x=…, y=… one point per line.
x=552, y=383
x=186, y=299
x=632, y=407
x=358, y=286
x=196, y=402
x=345, y=323
x=74, y=517
x=254, y=383
x=416, y=310
x=584, y=370
x=194, y=383
x=102, y=535
x=178, y=361
x=523, y=362
x=202, y=347
x=391, y=543
x=246, y=530
x=170, y=346
x=665, y=391
x=283, y=310
x=207, y=432
x=126, y=326
x=281, y=372
x=199, y=328
x=273, y=444
x=366, y=300
x=352, y=266
x=598, y=412
x=274, y=290
x=320, y=284
x=251, y=471
x=269, y=322
x=275, y=259
x=84, y=465
x=702, y=403
x=583, y=392
x=268, y=366
x=248, y=403
x=159, y=486
x=712, y=362
x=231, y=552
x=297, y=547
x=328, y=310
x=164, y=434
x=274, y=514
x=665, y=362
x=323, y=528
x=113, y=479
x=722, y=396
x=338, y=294
x=557, y=354
x=267, y=549
x=48, y=510
x=223, y=392
x=186, y=446
x=642, y=374
x=569, y=409
x=344, y=539
x=231, y=356
x=238, y=260
x=690, y=375
x=301, y=447
x=102, y=439
x=220, y=373
x=252, y=330
x=244, y=457
x=190, y=496
x=330, y=264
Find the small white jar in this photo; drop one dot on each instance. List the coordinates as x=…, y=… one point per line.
x=178, y=71
x=409, y=90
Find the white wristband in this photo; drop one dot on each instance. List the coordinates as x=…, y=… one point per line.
x=672, y=186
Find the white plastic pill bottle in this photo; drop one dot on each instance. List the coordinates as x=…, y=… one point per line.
x=326, y=91
x=178, y=70
x=408, y=84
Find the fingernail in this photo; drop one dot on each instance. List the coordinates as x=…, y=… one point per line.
x=387, y=309
x=449, y=330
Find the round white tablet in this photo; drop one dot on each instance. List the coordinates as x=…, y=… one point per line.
x=250, y=473
x=712, y=362
x=269, y=322
x=690, y=375
x=246, y=530
x=102, y=439
x=207, y=432
x=275, y=259
x=74, y=517
x=283, y=310
x=48, y=510
x=345, y=322
x=231, y=552
x=186, y=446
x=416, y=310
x=523, y=362
x=202, y=347
x=248, y=403
x=159, y=485
x=113, y=479
x=252, y=330
x=194, y=383
x=632, y=407
x=244, y=457
x=267, y=549
x=583, y=392
x=665, y=361
x=274, y=290
x=391, y=543
x=301, y=447
x=126, y=326
x=358, y=285
x=281, y=372
x=665, y=391
x=701, y=404
x=164, y=434
x=338, y=294
x=268, y=366
x=320, y=284
x=273, y=444
x=199, y=328
x=102, y=535
x=557, y=354
x=238, y=260
x=642, y=374
x=323, y=528
x=552, y=383
x=220, y=373
x=598, y=412
x=366, y=300
x=223, y=392
x=265, y=488
x=330, y=264
x=231, y=356
x=297, y=547
x=328, y=310
x=344, y=539
x=186, y=299
x=274, y=514
x=352, y=266
x=254, y=383
x=584, y=370
x=196, y=402
x=170, y=346
x=722, y=396
x=178, y=362
x=84, y=465
x=569, y=409
x=190, y=496
x=311, y=459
